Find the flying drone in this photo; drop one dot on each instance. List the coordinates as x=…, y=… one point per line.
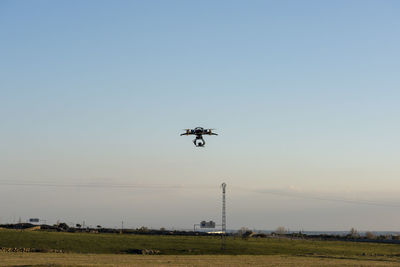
x=199, y=132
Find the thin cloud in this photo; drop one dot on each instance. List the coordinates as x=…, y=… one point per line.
x=321, y=197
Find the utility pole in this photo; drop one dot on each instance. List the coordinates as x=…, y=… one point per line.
x=223, y=234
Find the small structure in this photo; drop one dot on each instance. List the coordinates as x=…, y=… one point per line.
x=204, y=224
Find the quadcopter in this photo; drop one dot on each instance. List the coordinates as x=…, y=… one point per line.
x=199, y=132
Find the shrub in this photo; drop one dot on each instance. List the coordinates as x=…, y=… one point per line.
x=370, y=235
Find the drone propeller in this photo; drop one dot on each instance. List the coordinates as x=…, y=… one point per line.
x=187, y=131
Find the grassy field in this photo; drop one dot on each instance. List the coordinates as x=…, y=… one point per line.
x=80, y=248
x=55, y=260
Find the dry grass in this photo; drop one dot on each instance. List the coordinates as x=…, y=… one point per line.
x=73, y=259
x=106, y=250
x=194, y=245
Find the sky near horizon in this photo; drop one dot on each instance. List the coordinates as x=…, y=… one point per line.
x=304, y=94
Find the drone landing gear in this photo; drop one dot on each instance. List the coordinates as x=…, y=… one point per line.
x=199, y=142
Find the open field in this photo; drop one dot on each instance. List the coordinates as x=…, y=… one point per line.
x=89, y=249
x=48, y=259
x=190, y=245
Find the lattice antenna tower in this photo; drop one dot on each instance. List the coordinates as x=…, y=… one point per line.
x=223, y=235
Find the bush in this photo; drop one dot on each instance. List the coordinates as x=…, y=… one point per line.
x=244, y=232
x=143, y=229
x=63, y=226
x=370, y=235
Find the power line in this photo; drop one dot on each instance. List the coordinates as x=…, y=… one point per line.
x=101, y=185
x=281, y=193
x=333, y=199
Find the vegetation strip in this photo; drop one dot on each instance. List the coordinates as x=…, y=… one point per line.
x=193, y=245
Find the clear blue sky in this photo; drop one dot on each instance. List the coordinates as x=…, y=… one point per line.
x=305, y=96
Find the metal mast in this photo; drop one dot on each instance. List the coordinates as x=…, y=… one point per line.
x=223, y=235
